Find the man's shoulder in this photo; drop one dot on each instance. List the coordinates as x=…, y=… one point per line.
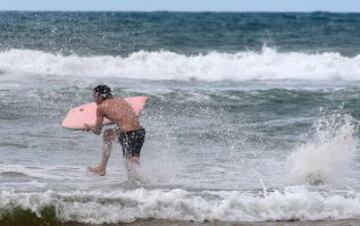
x=111, y=102
x=102, y=106
x=115, y=100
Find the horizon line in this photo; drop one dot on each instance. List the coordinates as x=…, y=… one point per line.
x=177, y=11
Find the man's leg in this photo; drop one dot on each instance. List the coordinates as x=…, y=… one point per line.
x=132, y=150
x=108, y=138
x=132, y=167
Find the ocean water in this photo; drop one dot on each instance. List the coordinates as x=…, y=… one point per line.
x=253, y=118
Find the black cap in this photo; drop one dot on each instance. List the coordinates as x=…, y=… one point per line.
x=102, y=90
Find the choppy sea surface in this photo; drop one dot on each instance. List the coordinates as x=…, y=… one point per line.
x=253, y=118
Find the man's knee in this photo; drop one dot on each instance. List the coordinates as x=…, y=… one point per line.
x=109, y=135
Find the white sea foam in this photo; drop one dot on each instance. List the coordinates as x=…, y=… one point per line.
x=268, y=64
x=127, y=206
x=327, y=155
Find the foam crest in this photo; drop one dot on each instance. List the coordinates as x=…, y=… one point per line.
x=326, y=157
x=268, y=64
x=293, y=203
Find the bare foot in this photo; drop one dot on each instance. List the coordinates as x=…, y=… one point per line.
x=135, y=160
x=98, y=170
x=94, y=168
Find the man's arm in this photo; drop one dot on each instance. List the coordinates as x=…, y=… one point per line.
x=98, y=124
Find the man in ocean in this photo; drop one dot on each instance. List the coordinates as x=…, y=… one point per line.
x=128, y=131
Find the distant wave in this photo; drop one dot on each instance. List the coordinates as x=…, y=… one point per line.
x=268, y=64
x=293, y=203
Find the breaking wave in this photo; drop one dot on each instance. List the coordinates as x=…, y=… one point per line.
x=293, y=203
x=267, y=64
x=327, y=154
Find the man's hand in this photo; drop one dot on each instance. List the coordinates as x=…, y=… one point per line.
x=88, y=128
x=93, y=129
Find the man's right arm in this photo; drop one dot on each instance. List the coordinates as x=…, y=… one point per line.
x=99, y=121
x=98, y=124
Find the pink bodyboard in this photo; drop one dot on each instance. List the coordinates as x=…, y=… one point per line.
x=86, y=113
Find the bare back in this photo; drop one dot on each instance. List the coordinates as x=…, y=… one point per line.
x=119, y=112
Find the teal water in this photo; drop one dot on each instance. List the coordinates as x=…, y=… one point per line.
x=122, y=33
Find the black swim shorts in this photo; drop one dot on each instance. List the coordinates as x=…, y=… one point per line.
x=132, y=142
